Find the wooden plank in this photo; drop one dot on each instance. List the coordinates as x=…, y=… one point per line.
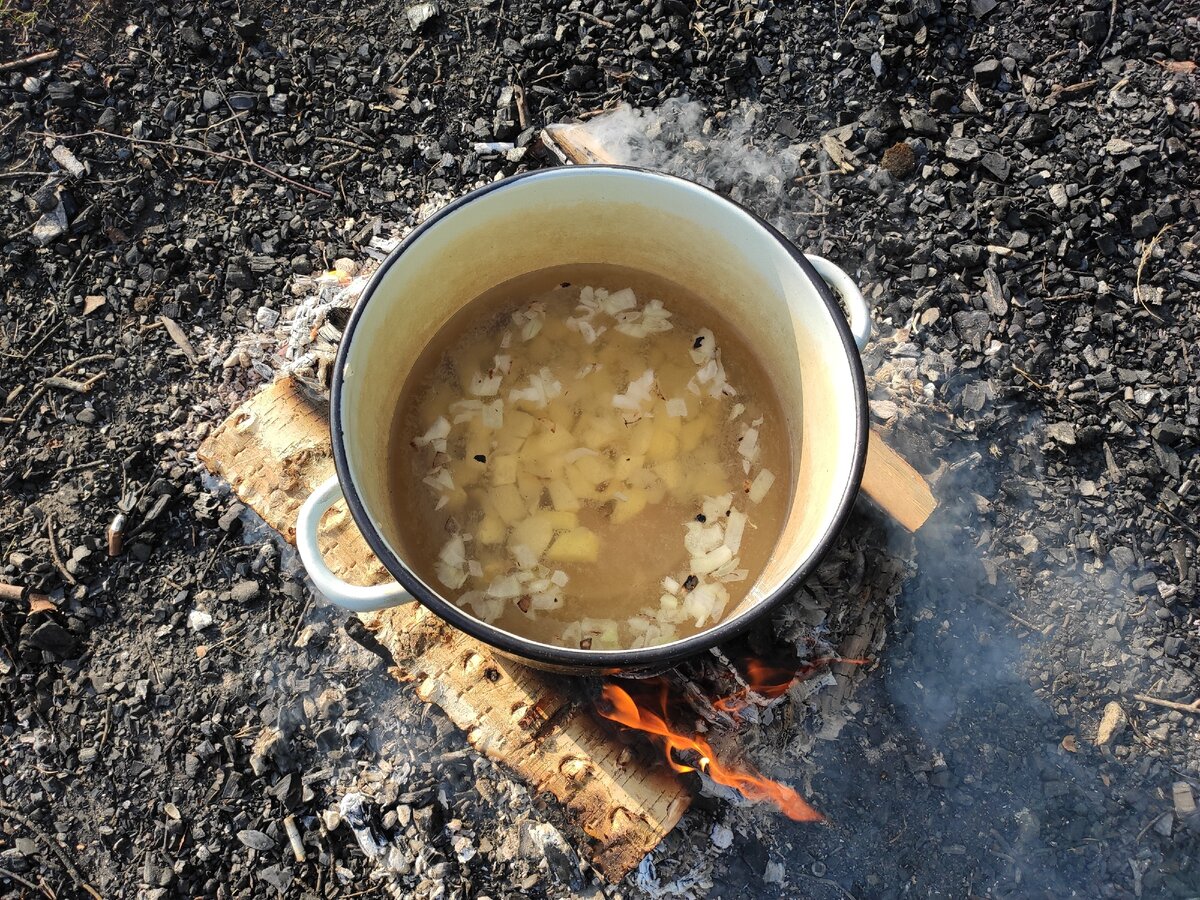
x=273, y=450
x=889, y=480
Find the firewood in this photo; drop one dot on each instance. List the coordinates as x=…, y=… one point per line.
x=273, y=450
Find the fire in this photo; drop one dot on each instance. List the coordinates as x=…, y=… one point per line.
x=770, y=682
x=626, y=711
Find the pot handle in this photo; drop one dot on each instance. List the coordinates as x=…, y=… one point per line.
x=857, y=310
x=356, y=598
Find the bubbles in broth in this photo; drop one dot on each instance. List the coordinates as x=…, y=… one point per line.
x=591, y=458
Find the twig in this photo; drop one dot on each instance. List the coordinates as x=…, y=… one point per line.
x=29, y=884
x=49, y=334
x=1112, y=18
x=58, y=851
x=1137, y=287
x=1178, y=521
x=408, y=59
x=44, y=56
x=1012, y=615
x=345, y=143
x=70, y=384
x=58, y=563
x=1193, y=707
x=1037, y=384
x=849, y=9
x=583, y=14
x=203, y=151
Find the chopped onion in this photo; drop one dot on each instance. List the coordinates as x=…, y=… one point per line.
x=503, y=363
x=485, y=386
x=438, y=430
x=735, y=526
x=670, y=585
x=465, y=410
x=700, y=539
x=711, y=561
x=451, y=576
x=735, y=575
x=546, y=600
x=701, y=603
x=704, y=347
x=738, y=409
x=761, y=484
x=504, y=587
x=621, y=300
x=714, y=508
x=474, y=569
x=579, y=453
x=748, y=445
x=524, y=556
x=638, y=392
x=677, y=407
x=454, y=552
x=493, y=414
x=559, y=578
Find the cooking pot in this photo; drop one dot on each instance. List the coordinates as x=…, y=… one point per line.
x=662, y=225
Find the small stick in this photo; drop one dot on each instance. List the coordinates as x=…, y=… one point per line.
x=1178, y=521
x=345, y=143
x=70, y=384
x=203, y=151
x=17, y=878
x=583, y=14
x=44, y=56
x=293, y=833
x=53, y=845
x=1010, y=614
x=58, y=563
x=1193, y=707
x=1037, y=384
x=522, y=109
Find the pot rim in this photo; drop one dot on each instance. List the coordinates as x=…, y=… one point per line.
x=567, y=657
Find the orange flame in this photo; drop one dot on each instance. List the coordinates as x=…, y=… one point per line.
x=771, y=681
x=625, y=710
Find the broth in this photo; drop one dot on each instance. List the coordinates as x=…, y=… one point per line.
x=578, y=459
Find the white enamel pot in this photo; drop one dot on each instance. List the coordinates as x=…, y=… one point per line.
x=776, y=296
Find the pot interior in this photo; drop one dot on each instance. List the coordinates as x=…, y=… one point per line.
x=664, y=226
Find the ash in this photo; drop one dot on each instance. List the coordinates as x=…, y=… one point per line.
x=1012, y=184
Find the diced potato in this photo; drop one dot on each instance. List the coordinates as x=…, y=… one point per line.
x=510, y=505
x=536, y=532
x=634, y=503
x=562, y=520
x=520, y=423
x=664, y=445
x=693, y=432
x=504, y=469
x=562, y=496
x=531, y=488
x=597, y=433
x=595, y=469
x=467, y=472
x=626, y=465
x=579, y=484
x=508, y=443
x=670, y=472
x=579, y=545
x=490, y=530
x=640, y=437
x=562, y=414
x=478, y=441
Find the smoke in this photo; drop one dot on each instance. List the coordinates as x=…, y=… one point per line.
x=969, y=768
x=723, y=151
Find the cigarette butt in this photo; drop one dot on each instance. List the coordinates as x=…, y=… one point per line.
x=116, y=535
x=293, y=833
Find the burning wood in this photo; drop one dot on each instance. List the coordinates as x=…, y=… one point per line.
x=693, y=753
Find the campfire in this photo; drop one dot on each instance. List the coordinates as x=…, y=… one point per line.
x=646, y=706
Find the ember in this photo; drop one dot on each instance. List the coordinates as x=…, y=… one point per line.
x=622, y=708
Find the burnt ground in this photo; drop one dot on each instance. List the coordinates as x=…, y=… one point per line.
x=1032, y=255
